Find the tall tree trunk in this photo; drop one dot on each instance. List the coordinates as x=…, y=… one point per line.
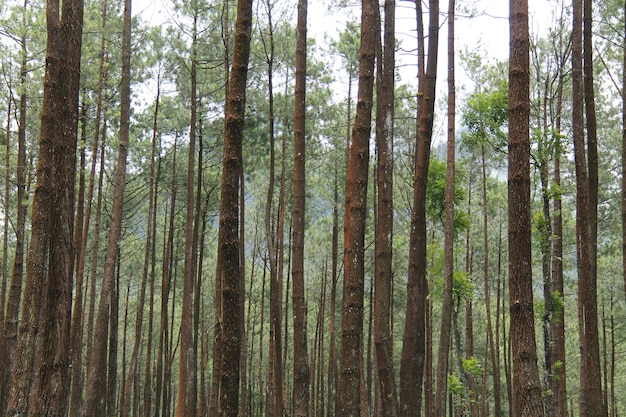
x=275, y=371
x=384, y=222
x=333, y=373
x=623, y=201
x=301, y=372
x=591, y=390
x=558, y=323
x=133, y=370
x=187, y=389
x=543, y=155
x=95, y=388
x=469, y=310
x=5, y=338
x=526, y=387
x=155, y=176
x=591, y=359
x=495, y=360
x=110, y=396
x=413, y=343
x=228, y=249
x=351, y=351
x=448, y=268
x=166, y=279
x=41, y=377
x=10, y=315
x=5, y=236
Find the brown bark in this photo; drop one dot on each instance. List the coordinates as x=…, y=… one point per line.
x=333, y=372
x=154, y=192
x=495, y=361
x=469, y=309
x=111, y=394
x=10, y=311
x=384, y=221
x=623, y=94
x=588, y=293
x=275, y=372
x=559, y=387
x=133, y=376
x=228, y=249
x=527, y=396
x=413, y=343
x=41, y=378
x=301, y=371
x=448, y=268
x=161, y=382
x=542, y=158
x=95, y=388
x=187, y=387
x=351, y=351
x=5, y=233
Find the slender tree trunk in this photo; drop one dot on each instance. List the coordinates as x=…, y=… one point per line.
x=95, y=388
x=110, y=396
x=351, y=351
x=469, y=310
x=589, y=302
x=495, y=361
x=187, y=389
x=301, y=371
x=133, y=372
x=590, y=379
x=10, y=315
x=384, y=222
x=546, y=247
x=526, y=387
x=624, y=157
x=412, y=360
x=275, y=371
x=333, y=373
x=558, y=324
x=5, y=238
x=166, y=278
x=448, y=268
x=154, y=178
x=41, y=377
x=612, y=400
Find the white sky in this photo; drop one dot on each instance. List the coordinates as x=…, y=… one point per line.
x=490, y=29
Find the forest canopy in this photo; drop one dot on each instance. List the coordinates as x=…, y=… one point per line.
x=294, y=208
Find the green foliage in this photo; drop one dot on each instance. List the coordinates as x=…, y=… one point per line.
x=436, y=196
x=473, y=366
x=462, y=286
x=347, y=47
x=455, y=386
x=485, y=117
x=557, y=306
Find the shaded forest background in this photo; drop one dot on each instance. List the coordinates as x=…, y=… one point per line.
x=220, y=215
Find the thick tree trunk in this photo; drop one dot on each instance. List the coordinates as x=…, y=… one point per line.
x=527, y=397
x=228, y=249
x=351, y=351
x=41, y=376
